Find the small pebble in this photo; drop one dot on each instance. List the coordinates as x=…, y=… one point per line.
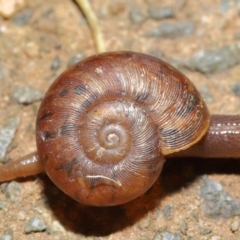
x=236, y=88
x=55, y=63
x=216, y=202
x=32, y=49
x=21, y=215
x=35, y=224
x=237, y=35
x=76, y=58
x=10, y=7
x=172, y=30
x=234, y=226
x=218, y=60
x=137, y=15
x=144, y=223
x=207, y=95
x=161, y=12
x=26, y=94
x=4, y=186
x=2, y=69
x=167, y=211
x=195, y=216
x=22, y=19
x=179, y=64
x=13, y=190
x=57, y=227
x=183, y=227
x=8, y=235
x=3, y=206
x=225, y=6
x=7, y=132
x=216, y=238
x=167, y=236
x=206, y=231
x=156, y=53
x=157, y=237
x=59, y=237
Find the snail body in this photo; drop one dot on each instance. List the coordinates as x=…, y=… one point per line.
x=105, y=125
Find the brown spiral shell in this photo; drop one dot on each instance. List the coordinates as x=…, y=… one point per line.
x=105, y=124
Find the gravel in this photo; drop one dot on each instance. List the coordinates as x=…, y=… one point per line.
x=167, y=211
x=236, y=88
x=206, y=231
x=183, y=227
x=216, y=202
x=55, y=63
x=22, y=19
x=7, y=132
x=13, y=190
x=172, y=30
x=159, y=13
x=3, y=206
x=35, y=224
x=137, y=15
x=26, y=94
x=167, y=236
x=218, y=60
x=76, y=58
x=9, y=8
x=234, y=226
x=8, y=235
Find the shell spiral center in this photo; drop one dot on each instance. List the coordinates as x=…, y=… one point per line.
x=105, y=132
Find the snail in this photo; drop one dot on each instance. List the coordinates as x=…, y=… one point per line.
x=107, y=123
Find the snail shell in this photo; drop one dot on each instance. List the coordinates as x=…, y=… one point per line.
x=106, y=123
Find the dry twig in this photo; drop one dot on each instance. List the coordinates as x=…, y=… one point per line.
x=93, y=22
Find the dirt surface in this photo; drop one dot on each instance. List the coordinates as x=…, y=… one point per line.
x=57, y=31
